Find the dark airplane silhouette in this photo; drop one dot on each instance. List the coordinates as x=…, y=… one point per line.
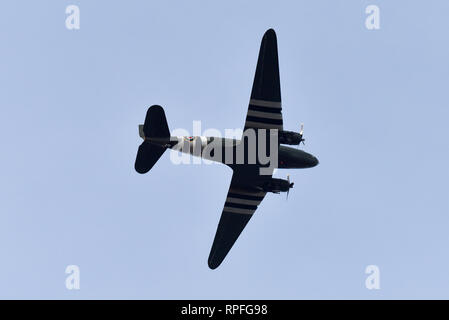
x=251, y=157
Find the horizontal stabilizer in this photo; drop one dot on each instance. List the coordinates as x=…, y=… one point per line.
x=147, y=156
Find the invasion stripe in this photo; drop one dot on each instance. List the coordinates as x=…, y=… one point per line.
x=242, y=213
x=264, y=109
x=268, y=115
x=265, y=103
x=243, y=201
x=239, y=205
x=258, y=125
x=263, y=120
x=245, y=196
x=238, y=210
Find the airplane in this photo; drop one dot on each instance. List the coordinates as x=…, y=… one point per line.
x=249, y=183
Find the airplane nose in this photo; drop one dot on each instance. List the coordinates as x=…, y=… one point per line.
x=302, y=159
x=313, y=161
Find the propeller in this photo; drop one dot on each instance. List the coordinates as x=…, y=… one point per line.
x=301, y=132
x=290, y=185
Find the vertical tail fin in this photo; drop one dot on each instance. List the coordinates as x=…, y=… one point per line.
x=155, y=134
x=155, y=125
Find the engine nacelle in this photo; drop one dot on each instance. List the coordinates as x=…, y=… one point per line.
x=277, y=185
x=290, y=137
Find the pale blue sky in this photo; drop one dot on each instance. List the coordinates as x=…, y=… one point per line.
x=375, y=108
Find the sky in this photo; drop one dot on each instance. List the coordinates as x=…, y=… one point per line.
x=374, y=104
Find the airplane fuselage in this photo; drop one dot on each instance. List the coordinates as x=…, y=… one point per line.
x=230, y=152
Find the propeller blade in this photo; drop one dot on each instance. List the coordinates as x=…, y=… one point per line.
x=301, y=133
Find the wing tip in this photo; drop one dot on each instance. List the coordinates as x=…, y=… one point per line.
x=213, y=265
x=270, y=33
x=213, y=262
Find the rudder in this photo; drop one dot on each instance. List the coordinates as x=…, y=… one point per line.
x=155, y=125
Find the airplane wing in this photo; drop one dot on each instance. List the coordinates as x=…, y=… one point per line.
x=241, y=203
x=265, y=110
